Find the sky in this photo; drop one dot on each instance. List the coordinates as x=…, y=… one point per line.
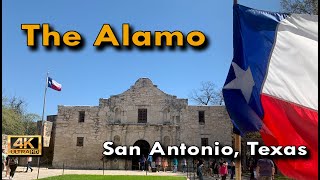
x=88, y=74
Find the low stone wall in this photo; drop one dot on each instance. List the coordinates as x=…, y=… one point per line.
x=5, y=142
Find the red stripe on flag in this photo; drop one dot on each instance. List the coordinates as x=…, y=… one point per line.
x=56, y=88
x=292, y=125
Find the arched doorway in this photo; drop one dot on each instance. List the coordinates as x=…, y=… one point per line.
x=144, y=150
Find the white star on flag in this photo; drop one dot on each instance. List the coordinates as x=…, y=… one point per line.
x=243, y=81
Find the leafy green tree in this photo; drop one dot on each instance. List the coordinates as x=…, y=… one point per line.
x=11, y=122
x=30, y=123
x=15, y=120
x=300, y=6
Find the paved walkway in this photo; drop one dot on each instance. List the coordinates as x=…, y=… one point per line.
x=44, y=172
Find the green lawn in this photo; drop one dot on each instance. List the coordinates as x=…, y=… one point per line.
x=110, y=177
x=279, y=177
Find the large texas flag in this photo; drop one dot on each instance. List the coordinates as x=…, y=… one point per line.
x=272, y=84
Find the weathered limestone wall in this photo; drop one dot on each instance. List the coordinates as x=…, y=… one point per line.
x=217, y=126
x=47, y=152
x=68, y=129
x=169, y=120
x=124, y=107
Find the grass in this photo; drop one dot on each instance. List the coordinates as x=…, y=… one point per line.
x=280, y=177
x=111, y=177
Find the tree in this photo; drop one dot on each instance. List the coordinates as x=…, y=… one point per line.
x=30, y=123
x=11, y=122
x=300, y=6
x=207, y=94
x=15, y=120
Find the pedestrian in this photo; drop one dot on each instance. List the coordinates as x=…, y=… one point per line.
x=175, y=164
x=252, y=170
x=211, y=166
x=216, y=169
x=265, y=169
x=164, y=164
x=195, y=165
x=149, y=161
x=214, y=164
x=142, y=162
x=158, y=163
x=232, y=169
x=29, y=160
x=204, y=168
x=199, y=169
x=184, y=165
x=4, y=157
x=7, y=167
x=198, y=163
x=13, y=163
x=224, y=170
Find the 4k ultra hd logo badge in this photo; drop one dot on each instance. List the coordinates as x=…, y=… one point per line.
x=25, y=145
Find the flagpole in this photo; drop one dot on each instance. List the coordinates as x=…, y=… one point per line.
x=42, y=118
x=237, y=145
x=237, y=142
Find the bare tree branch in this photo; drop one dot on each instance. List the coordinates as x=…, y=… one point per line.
x=207, y=94
x=300, y=6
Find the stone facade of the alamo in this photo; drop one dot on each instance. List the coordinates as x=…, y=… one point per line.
x=139, y=116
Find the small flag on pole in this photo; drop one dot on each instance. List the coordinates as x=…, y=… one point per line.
x=54, y=84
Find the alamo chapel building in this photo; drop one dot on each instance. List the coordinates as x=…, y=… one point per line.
x=139, y=116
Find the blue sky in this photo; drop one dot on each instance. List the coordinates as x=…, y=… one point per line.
x=87, y=74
